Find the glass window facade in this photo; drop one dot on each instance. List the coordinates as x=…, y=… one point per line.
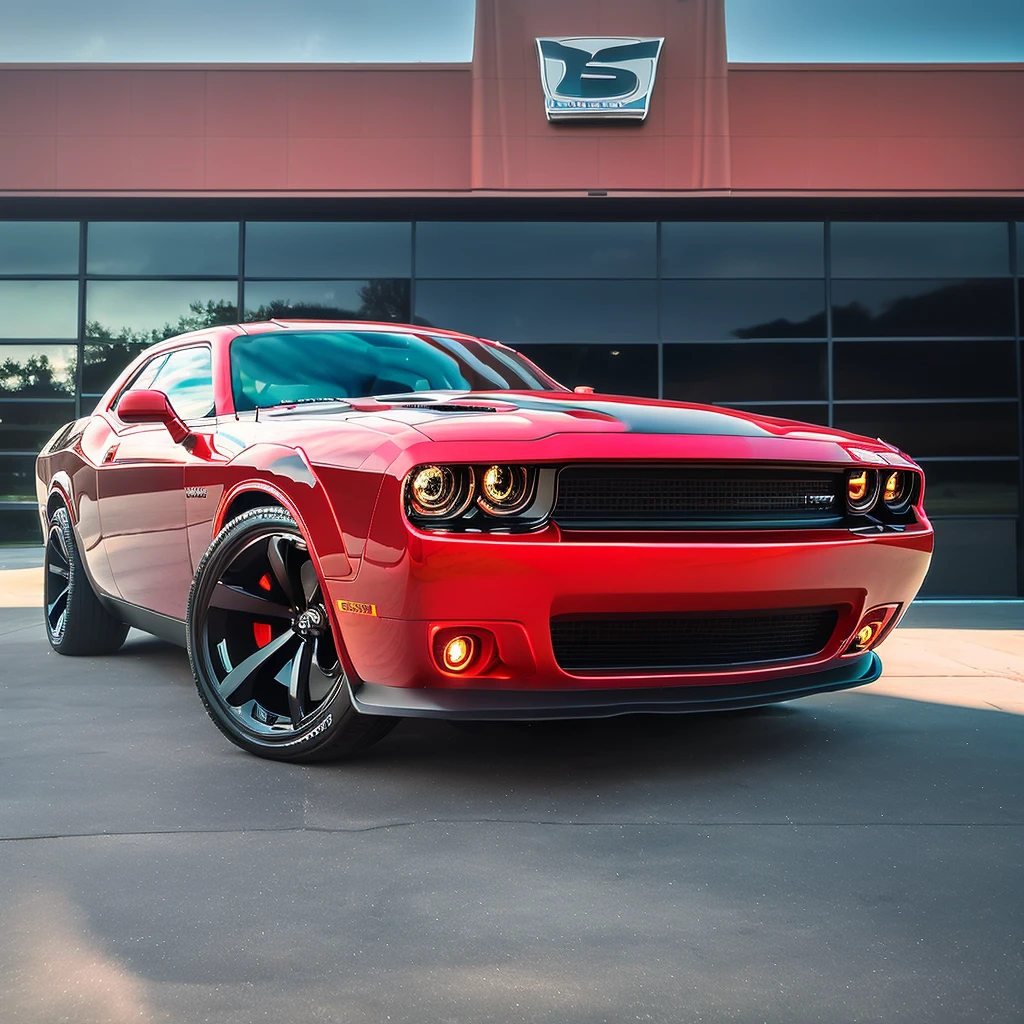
x=38, y=309
x=356, y=250
x=38, y=247
x=163, y=248
x=921, y=309
x=729, y=249
x=906, y=330
x=886, y=249
x=545, y=250
x=519, y=312
x=382, y=298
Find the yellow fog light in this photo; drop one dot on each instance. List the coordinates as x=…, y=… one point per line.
x=861, y=489
x=866, y=634
x=458, y=653
x=872, y=629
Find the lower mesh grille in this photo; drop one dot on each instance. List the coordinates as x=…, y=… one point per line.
x=681, y=642
x=639, y=496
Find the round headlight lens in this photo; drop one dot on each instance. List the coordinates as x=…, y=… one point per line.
x=861, y=489
x=504, y=489
x=439, y=490
x=895, y=488
x=898, y=490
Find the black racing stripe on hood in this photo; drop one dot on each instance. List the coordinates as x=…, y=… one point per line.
x=639, y=418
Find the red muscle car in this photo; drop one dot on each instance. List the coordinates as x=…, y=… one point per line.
x=348, y=523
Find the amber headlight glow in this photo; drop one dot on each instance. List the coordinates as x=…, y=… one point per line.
x=504, y=490
x=440, y=490
x=861, y=489
x=896, y=493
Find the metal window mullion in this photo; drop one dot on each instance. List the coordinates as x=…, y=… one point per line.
x=829, y=363
x=412, y=271
x=1015, y=272
x=80, y=347
x=241, y=271
x=657, y=309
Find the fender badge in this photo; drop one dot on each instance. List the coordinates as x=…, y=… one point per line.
x=357, y=608
x=195, y=492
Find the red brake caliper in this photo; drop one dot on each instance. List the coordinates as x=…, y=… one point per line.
x=261, y=630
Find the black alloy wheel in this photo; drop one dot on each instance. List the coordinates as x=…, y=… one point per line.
x=57, y=584
x=262, y=649
x=76, y=622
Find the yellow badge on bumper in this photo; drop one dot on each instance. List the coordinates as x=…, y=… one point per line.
x=357, y=608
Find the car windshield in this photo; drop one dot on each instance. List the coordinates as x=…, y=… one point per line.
x=293, y=366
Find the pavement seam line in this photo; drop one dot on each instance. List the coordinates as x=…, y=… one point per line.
x=355, y=830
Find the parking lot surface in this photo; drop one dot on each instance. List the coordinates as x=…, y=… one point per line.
x=852, y=857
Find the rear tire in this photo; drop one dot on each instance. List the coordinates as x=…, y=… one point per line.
x=262, y=650
x=76, y=622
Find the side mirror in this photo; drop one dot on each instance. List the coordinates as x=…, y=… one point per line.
x=152, y=407
x=583, y=389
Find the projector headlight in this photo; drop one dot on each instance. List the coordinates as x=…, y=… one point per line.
x=505, y=490
x=897, y=490
x=861, y=489
x=439, y=490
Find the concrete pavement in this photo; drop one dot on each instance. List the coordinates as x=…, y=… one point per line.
x=853, y=857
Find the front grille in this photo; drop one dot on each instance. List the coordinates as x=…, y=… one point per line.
x=617, y=497
x=693, y=641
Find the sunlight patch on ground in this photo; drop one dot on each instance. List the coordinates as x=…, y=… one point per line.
x=970, y=668
x=21, y=588
x=57, y=970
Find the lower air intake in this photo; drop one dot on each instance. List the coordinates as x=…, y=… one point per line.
x=694, y=641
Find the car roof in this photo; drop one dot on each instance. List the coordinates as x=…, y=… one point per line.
x=368, y=326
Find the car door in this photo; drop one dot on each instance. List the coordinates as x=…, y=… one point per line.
x=141, y=487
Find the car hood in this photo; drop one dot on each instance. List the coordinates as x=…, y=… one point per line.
x=524, y=416
x=602, y=426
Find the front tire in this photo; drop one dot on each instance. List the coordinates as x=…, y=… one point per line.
x=76, y=622
x=261, y=647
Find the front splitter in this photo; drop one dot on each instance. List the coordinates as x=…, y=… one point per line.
x=538, y=705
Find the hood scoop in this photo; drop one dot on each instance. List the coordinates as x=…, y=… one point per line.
x=384, y=405
x=444, y=407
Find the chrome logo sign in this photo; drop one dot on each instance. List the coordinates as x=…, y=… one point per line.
x=590, y=78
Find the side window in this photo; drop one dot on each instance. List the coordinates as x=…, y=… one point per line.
x=143, y=378
x=186, y=378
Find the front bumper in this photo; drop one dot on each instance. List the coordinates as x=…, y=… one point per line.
x=418, y=584
x=538, y=705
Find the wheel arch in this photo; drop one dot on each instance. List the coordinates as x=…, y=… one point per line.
x=59, y=495
x=244, y=498
x=256, y=493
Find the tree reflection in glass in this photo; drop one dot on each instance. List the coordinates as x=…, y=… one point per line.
x=109, y=350
x=43, y=372
x=382, y=299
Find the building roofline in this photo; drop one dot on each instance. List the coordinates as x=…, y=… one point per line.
x=818, y=67
x=227, y=66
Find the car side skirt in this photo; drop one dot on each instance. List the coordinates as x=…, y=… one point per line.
x=522, y=705
x=163, y=626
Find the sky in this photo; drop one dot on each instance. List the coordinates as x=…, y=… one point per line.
x=300, y=31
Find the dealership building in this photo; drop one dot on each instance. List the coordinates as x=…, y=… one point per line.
x=832, y=243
